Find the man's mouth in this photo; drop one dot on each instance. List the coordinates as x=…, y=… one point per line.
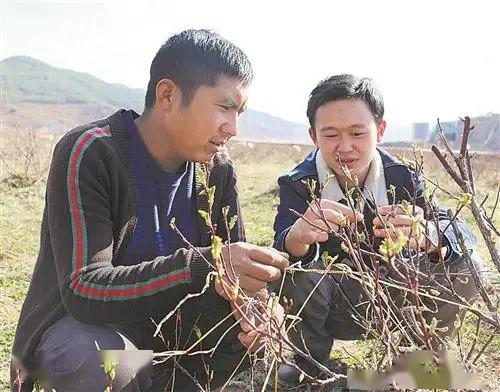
x=218, y=143
x=347, y=162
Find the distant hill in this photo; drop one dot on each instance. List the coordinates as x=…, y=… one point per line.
x=255, y=125
x=27, y=80
x=38, y=95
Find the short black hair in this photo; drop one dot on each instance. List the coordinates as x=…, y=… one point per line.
x=346, y=86
x=194, y=58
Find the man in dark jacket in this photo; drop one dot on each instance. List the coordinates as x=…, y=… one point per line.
x=111, y=266
x=346, y=123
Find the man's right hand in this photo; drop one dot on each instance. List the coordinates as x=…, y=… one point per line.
x=255, y=266
x=303, y=234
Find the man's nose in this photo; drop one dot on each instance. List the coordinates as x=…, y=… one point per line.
x=230, y=128
x=345, y=144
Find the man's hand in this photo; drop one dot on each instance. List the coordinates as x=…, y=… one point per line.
x=251, y=265
x=303, y=234
x=254, y=338
x=398, y=220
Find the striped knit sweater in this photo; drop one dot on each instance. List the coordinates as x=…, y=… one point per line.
x=89, y=217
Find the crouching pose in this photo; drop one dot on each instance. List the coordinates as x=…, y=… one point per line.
x=357, y=184
x=110, y=264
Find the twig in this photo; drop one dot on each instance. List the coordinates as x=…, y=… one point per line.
x=472, y=269
x=182, y=302
x=477, y=212
x=188, y=375
x=496, y=203
x=446, y=165
x=268, y=375
x=473, y=345
x=465, y=136
x=484, y=348
x=445, y=142
x=484, y=200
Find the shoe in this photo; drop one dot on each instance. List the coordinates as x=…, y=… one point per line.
x=289, y=376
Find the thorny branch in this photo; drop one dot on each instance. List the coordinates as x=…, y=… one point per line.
x=399, y=294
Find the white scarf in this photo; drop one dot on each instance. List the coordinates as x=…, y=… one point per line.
x=374, y=187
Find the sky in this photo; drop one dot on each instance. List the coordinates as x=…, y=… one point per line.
x=430, y=59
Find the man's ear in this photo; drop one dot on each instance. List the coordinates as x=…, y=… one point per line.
x=381, y=130
x=313, y=136
x=167, y=93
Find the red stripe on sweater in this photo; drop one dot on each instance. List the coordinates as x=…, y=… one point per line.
x=109, y=292
x=79, y=285
x=74, y=168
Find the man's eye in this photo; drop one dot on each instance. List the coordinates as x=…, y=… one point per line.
x=331, y=135
x=225, y=107
x=359, y=134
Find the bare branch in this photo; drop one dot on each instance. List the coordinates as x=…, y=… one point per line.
x=447, y=166
x=496, y=203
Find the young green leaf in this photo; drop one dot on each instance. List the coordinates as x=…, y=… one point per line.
x=390, y=247
x=465, y=200
x=211, y=196
x=406, y=207
x=201, y=177
x=197, y=331
x=205, y=217
x=233, y=221
x=216, y=247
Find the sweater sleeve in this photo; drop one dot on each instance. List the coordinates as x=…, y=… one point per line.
x=82, y=225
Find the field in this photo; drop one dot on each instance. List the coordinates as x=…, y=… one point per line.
x=24, y=162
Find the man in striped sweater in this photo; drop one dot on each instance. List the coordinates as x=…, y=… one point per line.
x=110, y=265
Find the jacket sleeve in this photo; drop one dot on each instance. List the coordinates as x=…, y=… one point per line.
x=82, y=225
x=433, y=212
x=291, y=198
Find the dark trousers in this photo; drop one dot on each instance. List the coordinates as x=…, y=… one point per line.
x=338, y=305
x=69, y=359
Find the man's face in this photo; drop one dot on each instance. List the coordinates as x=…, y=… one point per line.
x=346, y=133
x=201, y=128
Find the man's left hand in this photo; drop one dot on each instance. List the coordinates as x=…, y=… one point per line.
x=255, y=324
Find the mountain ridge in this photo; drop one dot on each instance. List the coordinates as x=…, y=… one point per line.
x=36, y=95
x=33, y=86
